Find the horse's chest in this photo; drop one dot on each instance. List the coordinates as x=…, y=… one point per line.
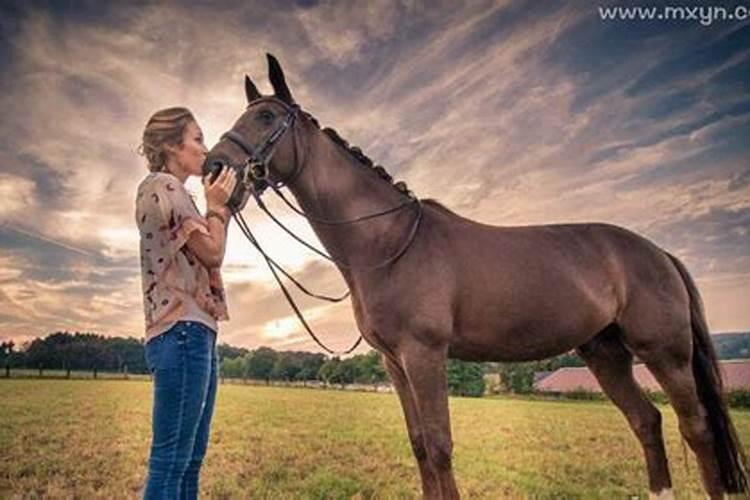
x=386, y=320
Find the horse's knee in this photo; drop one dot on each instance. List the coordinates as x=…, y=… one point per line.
x=419, y=448
x=696, y=430
x=648, y=427
x=441, y=452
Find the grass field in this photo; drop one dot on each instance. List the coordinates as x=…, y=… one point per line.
x=87, y=439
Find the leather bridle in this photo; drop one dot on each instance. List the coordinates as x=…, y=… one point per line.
x=259, y=157
x=257, y=178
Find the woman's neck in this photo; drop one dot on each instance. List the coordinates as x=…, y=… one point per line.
x=171, y=167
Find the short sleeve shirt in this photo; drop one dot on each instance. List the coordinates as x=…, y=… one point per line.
x=176, y=285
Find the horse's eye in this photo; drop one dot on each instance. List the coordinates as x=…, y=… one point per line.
x=265, y=115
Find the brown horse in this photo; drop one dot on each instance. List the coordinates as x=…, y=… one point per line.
x=450, y=286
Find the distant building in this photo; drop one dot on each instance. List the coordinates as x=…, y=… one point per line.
x=736, y=374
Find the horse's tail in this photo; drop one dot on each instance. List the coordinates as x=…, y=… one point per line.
x=727, y=447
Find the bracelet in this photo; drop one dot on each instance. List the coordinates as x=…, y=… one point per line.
x=214, y=213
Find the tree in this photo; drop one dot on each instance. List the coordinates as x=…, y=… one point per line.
x=465, y=378
x=260, y=363
x=311, y=364
x=346, y=371
x=233, y=367
x=732, y=345
x=518, y=377
x=370, y=369
x=329, y=371
x=6, y=350
x=226, y=351
x=286, y=367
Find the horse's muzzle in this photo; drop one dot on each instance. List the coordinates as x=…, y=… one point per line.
x=213, y=165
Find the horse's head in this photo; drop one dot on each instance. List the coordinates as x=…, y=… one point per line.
x=260, y=146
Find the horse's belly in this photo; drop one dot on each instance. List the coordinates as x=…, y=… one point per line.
x=529, y=330
x=520, y=347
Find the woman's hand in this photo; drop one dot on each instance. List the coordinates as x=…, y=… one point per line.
x=218, y=193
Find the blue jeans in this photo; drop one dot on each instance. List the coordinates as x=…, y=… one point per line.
x=183, y=362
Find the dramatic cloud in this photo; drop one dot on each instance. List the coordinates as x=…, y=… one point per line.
x=507, y=112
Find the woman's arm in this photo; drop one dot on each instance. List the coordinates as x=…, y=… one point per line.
x=209, y=249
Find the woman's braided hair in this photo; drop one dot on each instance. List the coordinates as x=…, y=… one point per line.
x=165, y=127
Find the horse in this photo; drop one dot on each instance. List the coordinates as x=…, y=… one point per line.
x=427, y=284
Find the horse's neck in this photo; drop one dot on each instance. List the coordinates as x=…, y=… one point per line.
x=334, y=186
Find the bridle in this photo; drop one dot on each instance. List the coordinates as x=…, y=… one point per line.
x=257, y=163
x=257, y=178
x=258, y=158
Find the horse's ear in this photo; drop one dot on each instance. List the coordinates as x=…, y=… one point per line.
x=276, y=75
x=251, y=91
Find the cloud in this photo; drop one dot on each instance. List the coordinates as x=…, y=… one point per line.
x=16, y=192
x=507, y=112
x=338, y=33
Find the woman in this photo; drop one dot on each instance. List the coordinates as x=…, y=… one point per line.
x=183, y=297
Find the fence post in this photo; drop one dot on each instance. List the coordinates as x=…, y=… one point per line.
x=40, y=369
x=94, y=372
x=67, y=374
x=7, y=370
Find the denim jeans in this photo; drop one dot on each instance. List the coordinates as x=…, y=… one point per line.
x=183, y=363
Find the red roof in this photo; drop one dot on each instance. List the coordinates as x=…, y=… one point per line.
x=736, y=375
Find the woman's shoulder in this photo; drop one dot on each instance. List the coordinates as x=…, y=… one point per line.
x=160, y=180
x=162, y=190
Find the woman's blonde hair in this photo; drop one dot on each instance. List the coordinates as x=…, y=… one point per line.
x=165, y=127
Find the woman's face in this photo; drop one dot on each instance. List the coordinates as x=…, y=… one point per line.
x=189, y=156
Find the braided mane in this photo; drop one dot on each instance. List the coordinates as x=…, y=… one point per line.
x=359, y=155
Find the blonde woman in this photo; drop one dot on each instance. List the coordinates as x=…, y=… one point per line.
x=183, y=297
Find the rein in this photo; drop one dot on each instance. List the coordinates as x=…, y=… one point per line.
x=257, y=163
x=338, y=261
x=272, y=265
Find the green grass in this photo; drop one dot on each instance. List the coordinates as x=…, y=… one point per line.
x=90, y=439
x=74, y=374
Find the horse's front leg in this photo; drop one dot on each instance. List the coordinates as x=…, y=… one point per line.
x=424, y=367
x=430, y=487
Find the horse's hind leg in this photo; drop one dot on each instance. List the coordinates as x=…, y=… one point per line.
x=430, y=487
x=612, y=365
x=674, y=372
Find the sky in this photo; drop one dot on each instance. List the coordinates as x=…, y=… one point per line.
x=509, y=113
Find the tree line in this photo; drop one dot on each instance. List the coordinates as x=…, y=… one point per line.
x=76, y=351
x=90, y=351
x=267, y=364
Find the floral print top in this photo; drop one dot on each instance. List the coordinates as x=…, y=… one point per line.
x=176, y=285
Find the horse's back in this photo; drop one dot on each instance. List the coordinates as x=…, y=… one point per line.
x=592, y=249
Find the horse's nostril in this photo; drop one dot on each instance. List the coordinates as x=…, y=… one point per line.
x=212, y=166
